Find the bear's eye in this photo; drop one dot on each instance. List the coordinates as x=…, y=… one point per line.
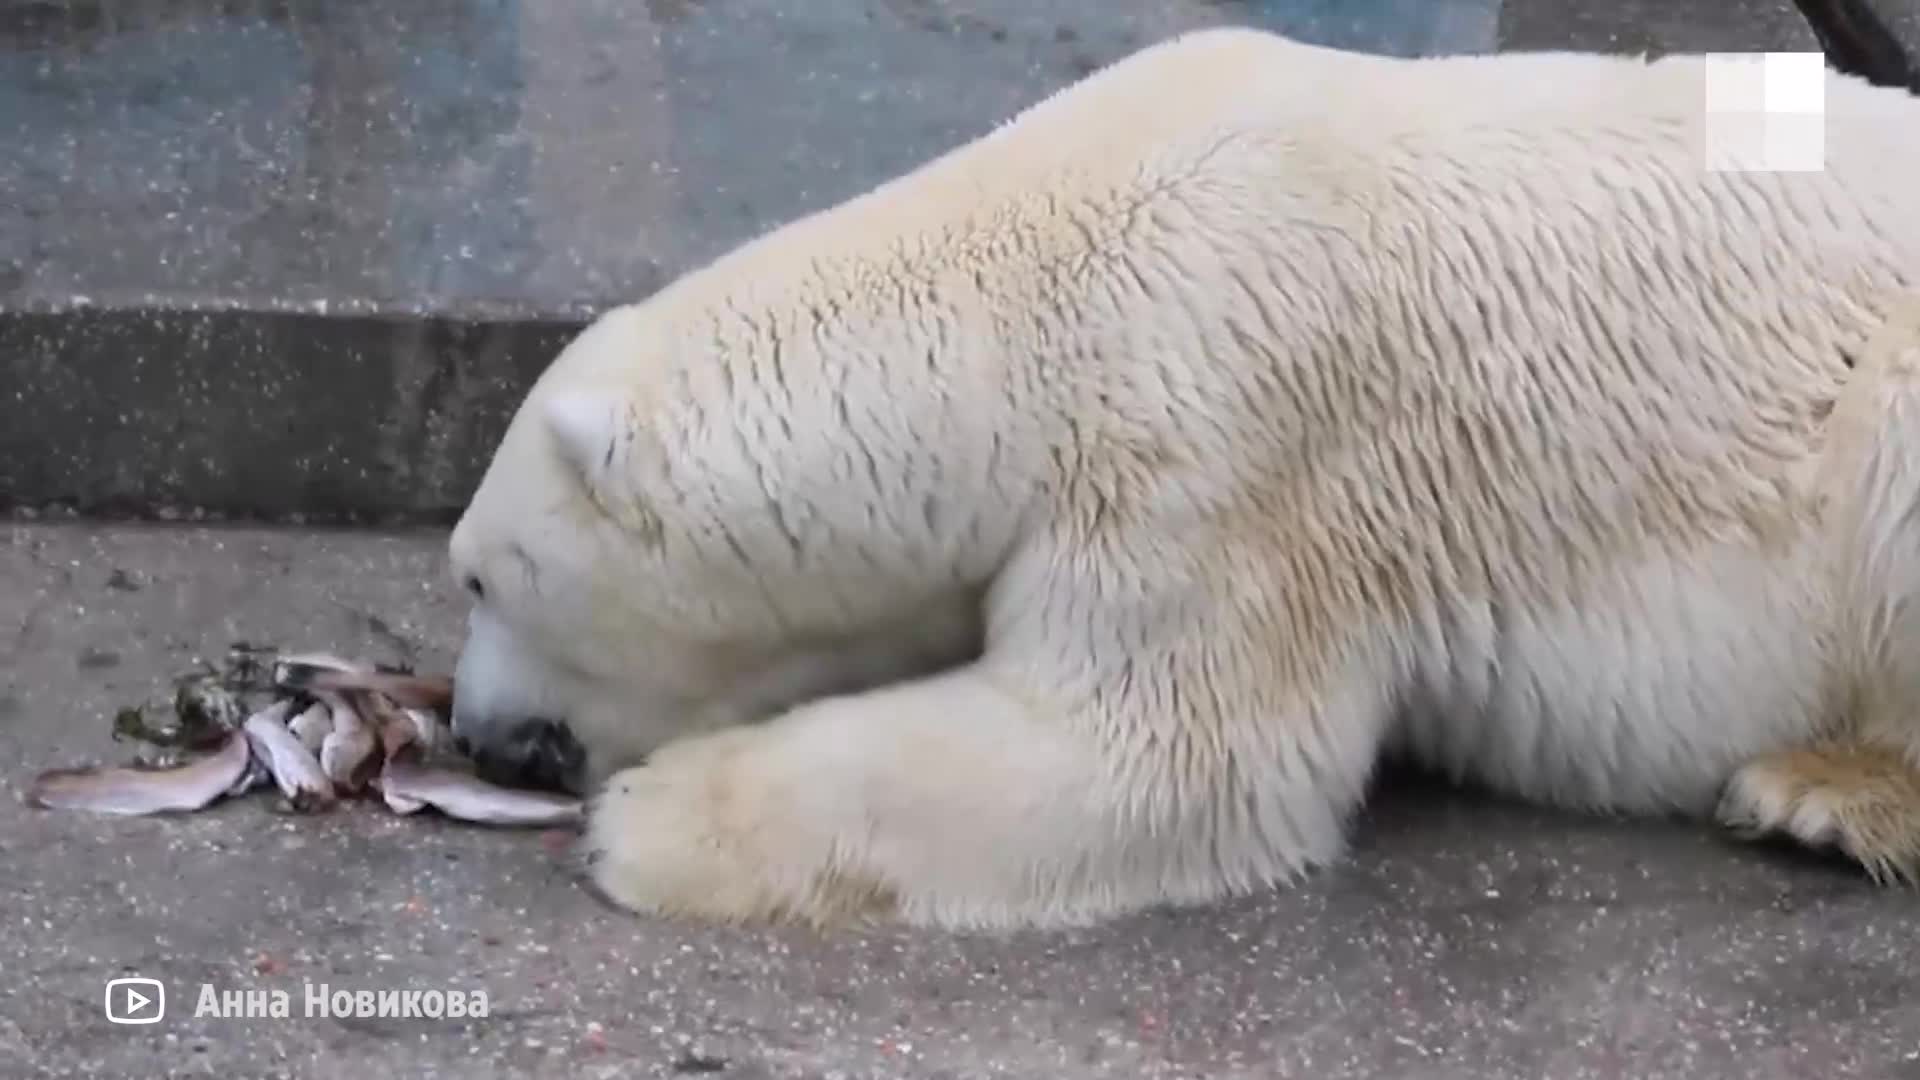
x=473, y=586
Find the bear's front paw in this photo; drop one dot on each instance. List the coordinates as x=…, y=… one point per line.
x=704, y=832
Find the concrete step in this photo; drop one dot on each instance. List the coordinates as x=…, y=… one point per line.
x=299, y=261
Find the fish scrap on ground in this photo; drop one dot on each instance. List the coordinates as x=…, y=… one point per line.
x=315, y=727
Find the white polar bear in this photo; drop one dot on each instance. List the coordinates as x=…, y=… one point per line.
x=1072, y=524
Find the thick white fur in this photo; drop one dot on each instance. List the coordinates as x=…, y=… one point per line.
x=1249, y=409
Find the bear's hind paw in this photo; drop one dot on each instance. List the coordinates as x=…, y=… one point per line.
x=1862, y=800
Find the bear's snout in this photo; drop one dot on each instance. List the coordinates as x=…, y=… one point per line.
x=533, y=753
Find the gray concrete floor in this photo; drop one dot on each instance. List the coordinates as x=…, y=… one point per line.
x=1462, y=938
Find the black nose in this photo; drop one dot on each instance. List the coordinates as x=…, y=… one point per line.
x=535, y=753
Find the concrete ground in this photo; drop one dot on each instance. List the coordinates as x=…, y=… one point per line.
x=1462, y=938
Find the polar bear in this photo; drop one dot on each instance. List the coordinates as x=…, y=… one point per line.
x=1071, y=525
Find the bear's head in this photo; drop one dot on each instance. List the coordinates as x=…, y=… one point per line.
x=692, y=522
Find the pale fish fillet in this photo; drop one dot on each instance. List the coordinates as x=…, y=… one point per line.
x=116, y=790
x=410, y=691
x=461, y=795
x=312, y=727
x=348, y=749
x=430, y=733
x=399, y=737
x=400, y=804
x=255, y=775
x=395, y=728
x=295, y=770
x=321, y=660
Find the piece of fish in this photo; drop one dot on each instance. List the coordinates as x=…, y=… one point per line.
x=433, y=692
x=295, y=770
x=347, y=754
x=256, y=775
x=469, y=798
x=430, y=732
x=120, y=790
x=398, y=802
x=396, y=729
x=317, y=660
x=398, y=737
x=312, y=727
x=162, y=757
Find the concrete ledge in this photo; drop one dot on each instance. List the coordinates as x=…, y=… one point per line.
x=193, y=189
x=290, y=415
x=481, y=173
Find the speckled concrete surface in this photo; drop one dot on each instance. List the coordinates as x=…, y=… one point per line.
x=1656, y=26
x=1461, y=939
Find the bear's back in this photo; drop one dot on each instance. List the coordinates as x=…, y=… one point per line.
x=1289, y=123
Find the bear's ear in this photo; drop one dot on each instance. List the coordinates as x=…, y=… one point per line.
x=584, y=428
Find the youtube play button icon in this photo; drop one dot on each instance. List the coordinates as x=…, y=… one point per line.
x=136, y=1001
